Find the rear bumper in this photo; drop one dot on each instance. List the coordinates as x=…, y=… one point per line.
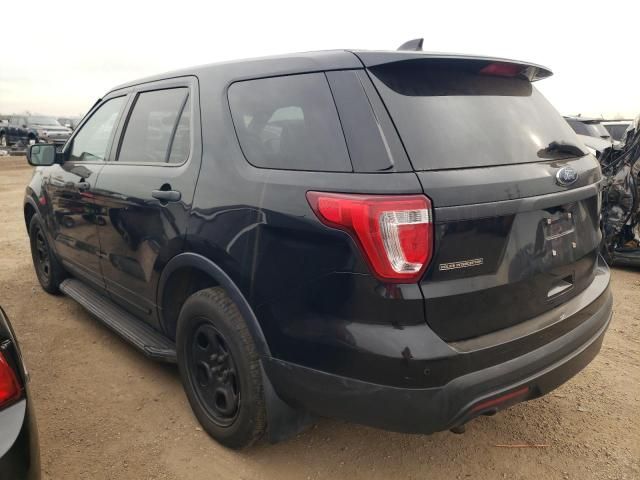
x=483, y=391
x=19, y=452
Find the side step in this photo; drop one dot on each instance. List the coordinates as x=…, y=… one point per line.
x=152, y=343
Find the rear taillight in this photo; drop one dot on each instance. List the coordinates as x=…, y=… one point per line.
x=10, y=389
x=395, y=233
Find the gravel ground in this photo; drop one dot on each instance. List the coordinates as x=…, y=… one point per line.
x=104, y=411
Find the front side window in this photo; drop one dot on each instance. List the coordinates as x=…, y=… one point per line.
x=289, y=123
x=92, y=140
x=158, y=130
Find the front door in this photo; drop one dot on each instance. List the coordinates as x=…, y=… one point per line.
x=145, y=193
x=73, y=215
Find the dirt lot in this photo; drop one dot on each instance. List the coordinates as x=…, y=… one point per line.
x=105, y=411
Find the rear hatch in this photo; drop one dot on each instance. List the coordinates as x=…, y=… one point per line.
x=513, y=236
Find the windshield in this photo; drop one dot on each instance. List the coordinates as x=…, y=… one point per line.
x=44, y=121
x=451, y=116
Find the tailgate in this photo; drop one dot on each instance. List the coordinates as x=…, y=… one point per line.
x=502, y=262
x=515, y=195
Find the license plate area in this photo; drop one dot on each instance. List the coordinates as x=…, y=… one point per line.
x=559, y=225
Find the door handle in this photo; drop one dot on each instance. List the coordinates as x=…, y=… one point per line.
x=166, y=195
x=83, y=186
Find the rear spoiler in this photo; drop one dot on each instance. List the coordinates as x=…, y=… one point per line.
x=370, y=59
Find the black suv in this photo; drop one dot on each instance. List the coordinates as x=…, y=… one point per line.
x=400, y=239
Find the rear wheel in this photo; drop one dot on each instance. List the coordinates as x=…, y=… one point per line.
x=48, y=269
x=220, y=369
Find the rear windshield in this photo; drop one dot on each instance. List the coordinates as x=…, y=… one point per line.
x=589, y=129
x=617, y=130
x=451, y=116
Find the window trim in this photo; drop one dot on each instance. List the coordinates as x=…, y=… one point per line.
x=66, y=149
x=167, y=84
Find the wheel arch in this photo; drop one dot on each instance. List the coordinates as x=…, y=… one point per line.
x=30, y=209
x=206, y=274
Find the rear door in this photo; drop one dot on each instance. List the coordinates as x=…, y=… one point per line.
x=146, y=190
x=516, y=216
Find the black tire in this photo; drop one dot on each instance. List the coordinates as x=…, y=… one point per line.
x=48, y=269
x=212, y=338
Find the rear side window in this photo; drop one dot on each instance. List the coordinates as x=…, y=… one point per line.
x=158, y=129
x=289, y=123
x=450, y=115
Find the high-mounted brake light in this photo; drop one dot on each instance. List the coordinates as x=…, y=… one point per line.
x=395, y=232
x=499, y=69
x=9, y=386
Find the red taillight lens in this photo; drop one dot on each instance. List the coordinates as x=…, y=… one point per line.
x=9, y=385
x=395, y=233
x=499, y=69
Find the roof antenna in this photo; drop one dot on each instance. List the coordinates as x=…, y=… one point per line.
x=414, y=45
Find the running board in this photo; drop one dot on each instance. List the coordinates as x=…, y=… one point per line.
x=152, y=343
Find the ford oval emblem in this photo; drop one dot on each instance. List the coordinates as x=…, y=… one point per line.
x=566, y=176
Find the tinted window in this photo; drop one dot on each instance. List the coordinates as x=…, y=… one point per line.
x=92, y=140
x=289, y=123
x=579, y=127
x=617, y=130
x=152, y=125
x=451, y=116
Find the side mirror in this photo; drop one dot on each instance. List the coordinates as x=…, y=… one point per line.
x=42, y=154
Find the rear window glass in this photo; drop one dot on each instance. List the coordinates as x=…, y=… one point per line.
x=289, y=123
x=617, y=130
x=579, y=127
x=450, y=116
x=589, y=129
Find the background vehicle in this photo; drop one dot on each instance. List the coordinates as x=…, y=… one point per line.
x=27, y=130
x=621, y=200
x=595, y=145
x=617, y=128
x=69, y=122
x=19, y=453
x=589, y=126
x=313, y=234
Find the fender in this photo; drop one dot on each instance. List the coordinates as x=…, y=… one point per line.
x=202, y=263
x=283, y=420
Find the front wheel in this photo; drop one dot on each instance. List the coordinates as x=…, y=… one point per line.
x=220, y=369
x=48, y=269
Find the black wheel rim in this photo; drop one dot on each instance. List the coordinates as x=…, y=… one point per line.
x=213, y=374
x=42, y=256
